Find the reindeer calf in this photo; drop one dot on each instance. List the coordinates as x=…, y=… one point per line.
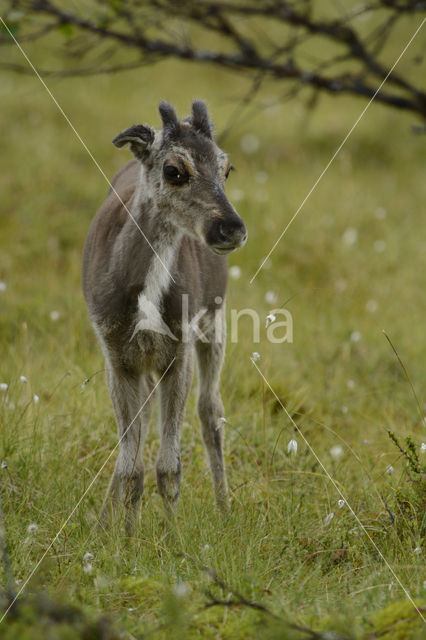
x=157, y=248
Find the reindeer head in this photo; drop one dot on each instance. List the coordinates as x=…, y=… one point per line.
x=184, y=173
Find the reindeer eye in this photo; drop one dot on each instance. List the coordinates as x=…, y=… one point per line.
x=174, y=175
x=170, y=171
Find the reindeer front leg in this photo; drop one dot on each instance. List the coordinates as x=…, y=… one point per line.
x=174, y=391
x=126, y=484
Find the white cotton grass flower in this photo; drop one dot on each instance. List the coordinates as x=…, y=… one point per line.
x=270, y=297
x=340, y=285
x=350, y=236
x=235, y=272
x=355, y=336
x=270, y=318
x=3, y=464
x=54, y=315
x=87, y=562
x=390, y=470
x=249, y=143
x=36, y=399
x=181, y=589
x=417, y=551
x=23, y=379
x=328, y=518
x=371, y=306
x=336, y=452
x=85, y=383
x=237, y=195
x=345, y=410
x=379, y=246
x=350, y=384
x=341, y=503
x=3, y=285
x=292, y=446
x=261, y=177
x=423, y=447
x=4, y=386
x=32, y=528
x=380, y=213
x=255, y=356
x=262, y=196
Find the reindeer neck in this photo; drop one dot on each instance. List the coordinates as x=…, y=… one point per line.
x=164, y=239
x=165, y=244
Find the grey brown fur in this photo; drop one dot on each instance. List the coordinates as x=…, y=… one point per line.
x=174, y=190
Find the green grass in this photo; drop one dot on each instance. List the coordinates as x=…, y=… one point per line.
x=274, y=547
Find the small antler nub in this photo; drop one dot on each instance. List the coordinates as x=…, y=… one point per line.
x=201, y=119
x=168, y=116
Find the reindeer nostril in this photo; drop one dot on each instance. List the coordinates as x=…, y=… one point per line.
x=222, y=234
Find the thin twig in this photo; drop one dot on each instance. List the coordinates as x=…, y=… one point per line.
x=419, y=406
x=7, y=565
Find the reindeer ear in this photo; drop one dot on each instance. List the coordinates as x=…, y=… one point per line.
x=139, y=137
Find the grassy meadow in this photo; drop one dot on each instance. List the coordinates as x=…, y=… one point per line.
x=352, y=264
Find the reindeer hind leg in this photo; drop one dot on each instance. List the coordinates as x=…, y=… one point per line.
x=211, y=411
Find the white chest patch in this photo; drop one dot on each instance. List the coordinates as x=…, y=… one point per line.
x=158, y=277
x=157, y=282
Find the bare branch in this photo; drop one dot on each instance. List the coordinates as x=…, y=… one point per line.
x=240, y=41
x=239, y=600
x=72, y=73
